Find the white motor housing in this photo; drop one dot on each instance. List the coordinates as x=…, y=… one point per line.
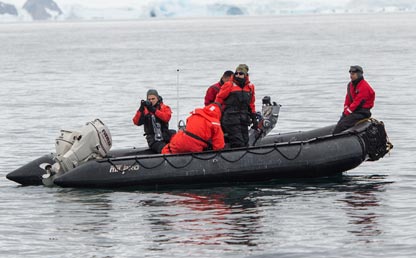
x=65, y=141
x=93, y=141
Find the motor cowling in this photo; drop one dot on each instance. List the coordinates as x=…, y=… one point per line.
x=65, y=141
x=92, y=141
x=267, y=120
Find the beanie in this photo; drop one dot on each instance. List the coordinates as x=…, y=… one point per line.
x=356, y=69
x=243, y=68
x=152, y=92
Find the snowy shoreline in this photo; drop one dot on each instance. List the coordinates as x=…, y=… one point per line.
x=131, y=10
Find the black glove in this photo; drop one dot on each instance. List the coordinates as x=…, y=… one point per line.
x=254, y=121
x=150, y=107
x=142, y=104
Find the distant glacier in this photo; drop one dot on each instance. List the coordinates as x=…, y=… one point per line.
x=27, y=10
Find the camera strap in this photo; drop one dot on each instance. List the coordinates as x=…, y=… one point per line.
x=157, y=129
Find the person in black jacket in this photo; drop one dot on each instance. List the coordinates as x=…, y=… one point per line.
x=237, y=97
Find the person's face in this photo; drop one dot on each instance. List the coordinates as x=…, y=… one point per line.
x=353, y=76
x=153, y=99
x=239, y=74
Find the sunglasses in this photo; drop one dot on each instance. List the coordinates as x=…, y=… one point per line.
x=353, y=71
x=239, y=73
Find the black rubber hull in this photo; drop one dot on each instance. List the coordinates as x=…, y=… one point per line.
x=319, y=158
x=311, y=154
x=31, y=173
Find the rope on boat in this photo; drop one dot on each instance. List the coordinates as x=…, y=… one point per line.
x=373, y=140
x=295, y=157
x=233, y=161
x=170, y=163
x=166, y=158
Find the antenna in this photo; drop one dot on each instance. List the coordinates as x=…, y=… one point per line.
x=177, y=95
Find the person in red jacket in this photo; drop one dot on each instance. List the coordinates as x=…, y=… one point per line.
x=154, y=116
x=203, y=132
x=213, y=90
x=237, y=97
x=358, y=101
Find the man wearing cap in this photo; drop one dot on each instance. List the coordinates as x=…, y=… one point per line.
x=213, y=90
x=154, y=116
x=203, y=132
x=237, y=97
x=358, y=101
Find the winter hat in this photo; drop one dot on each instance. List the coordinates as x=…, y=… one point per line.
x=243, y=68
x=356, y=69
x=152, y=92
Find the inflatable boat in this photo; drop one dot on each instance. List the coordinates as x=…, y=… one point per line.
x=84, y=159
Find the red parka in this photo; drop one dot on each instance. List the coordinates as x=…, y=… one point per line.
x=231, y=88
x=359, y=96
x=212, y=92
x=204, y=123
x=163, y=113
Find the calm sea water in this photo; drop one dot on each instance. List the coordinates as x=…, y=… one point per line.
x=57, y=76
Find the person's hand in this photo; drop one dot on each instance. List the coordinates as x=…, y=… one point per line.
x=254, y=121
x=345, y=113
x=142, y=105
x=150, y=107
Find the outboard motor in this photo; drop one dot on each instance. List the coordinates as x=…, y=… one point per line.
x=267, y=120
x=74, y=148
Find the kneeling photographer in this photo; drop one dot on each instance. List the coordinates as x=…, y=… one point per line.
x=155, y=117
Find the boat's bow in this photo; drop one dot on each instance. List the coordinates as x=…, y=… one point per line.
x=375, y=139
x=31, y=173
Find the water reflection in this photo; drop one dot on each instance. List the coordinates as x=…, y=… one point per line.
x=361, y=207
x=206, y=217
x=231, y=218
x=86, y=215
x=238, y=215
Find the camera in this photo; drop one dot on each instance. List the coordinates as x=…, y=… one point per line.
x=147, y=103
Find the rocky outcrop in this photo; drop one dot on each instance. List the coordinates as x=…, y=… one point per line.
x=7, y=9
x=167, y=10
x=234, y=10
x=42, y=9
